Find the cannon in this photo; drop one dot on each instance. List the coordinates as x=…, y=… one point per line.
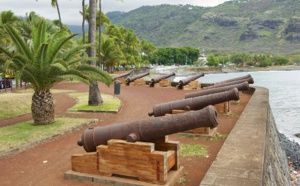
x=122, y=75
x=131, y=79
x=185, y=81
x=148, y=130
x=240, y=87
x=234, y=79
x=157, y=79
x=249, y=80
x=194, y=103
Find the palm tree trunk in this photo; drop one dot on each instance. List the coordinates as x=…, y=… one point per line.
x=83, y=22
x=59, y=17
x=94, y=92
x=99, y=51
x=42, y=108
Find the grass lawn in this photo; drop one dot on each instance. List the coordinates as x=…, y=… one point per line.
x=22, y=134
x=25, y=133
x=111, y=104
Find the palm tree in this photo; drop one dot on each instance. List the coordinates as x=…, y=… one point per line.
x=110, y=53
x=54, y=3
x=94, y=92
x=49, y=60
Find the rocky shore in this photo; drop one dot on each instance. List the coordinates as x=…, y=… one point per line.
x=292, y=150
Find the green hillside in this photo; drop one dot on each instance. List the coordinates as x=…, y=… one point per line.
x=257, y=26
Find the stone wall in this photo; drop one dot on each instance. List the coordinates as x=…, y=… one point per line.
x=252, y=154
x=276, y=169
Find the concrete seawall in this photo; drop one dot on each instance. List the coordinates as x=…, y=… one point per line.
x=252, y=154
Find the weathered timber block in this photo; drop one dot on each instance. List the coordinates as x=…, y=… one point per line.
x=139, y=159
x=85, y=163
x=223, y=108
x=192, y=85
x=170, y=146
x=165, y=83
x=138, y=82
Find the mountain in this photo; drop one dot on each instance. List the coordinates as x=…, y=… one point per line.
x=253, y=26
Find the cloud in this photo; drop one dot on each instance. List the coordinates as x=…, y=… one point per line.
x=69, y=9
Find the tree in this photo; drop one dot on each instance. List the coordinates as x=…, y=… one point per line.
x=280, y=60
x=212, y=60
x=110, y=53
x=49, y=60
x=237, y=58
x=94, y=92
x=54, y=3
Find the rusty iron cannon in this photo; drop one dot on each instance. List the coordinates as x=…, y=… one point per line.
x=122, y=75
x=131, y=79
x=187, y=80
x=240, y=87
x=248, y=80
x=148, y=130
x=157, y=79
x=234, y=79
x=194, y=103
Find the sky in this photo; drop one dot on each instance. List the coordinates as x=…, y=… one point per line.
x=70, y=8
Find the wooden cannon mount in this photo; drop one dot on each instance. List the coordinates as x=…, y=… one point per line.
x=146, y=154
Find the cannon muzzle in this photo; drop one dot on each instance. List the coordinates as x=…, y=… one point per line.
x=150, y=129
x=194, y=103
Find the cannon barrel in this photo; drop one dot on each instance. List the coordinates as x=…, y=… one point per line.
x=234, y=79
x=249, y=81
x=131, y=79
x=240, y=87
x=194, y=103
x=122, y=75
x=157, y=79
x=149, y=129
x=191, y=78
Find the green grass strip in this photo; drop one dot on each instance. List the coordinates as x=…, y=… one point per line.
x=111, y=103
x=196, y=150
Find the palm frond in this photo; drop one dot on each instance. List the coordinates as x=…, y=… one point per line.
x=61, y=65
x=40, y=56
x=96, y=73
x=70, y=53
x=55, y=45
x=18, y=41
x=39, y=35
x=81, y=59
